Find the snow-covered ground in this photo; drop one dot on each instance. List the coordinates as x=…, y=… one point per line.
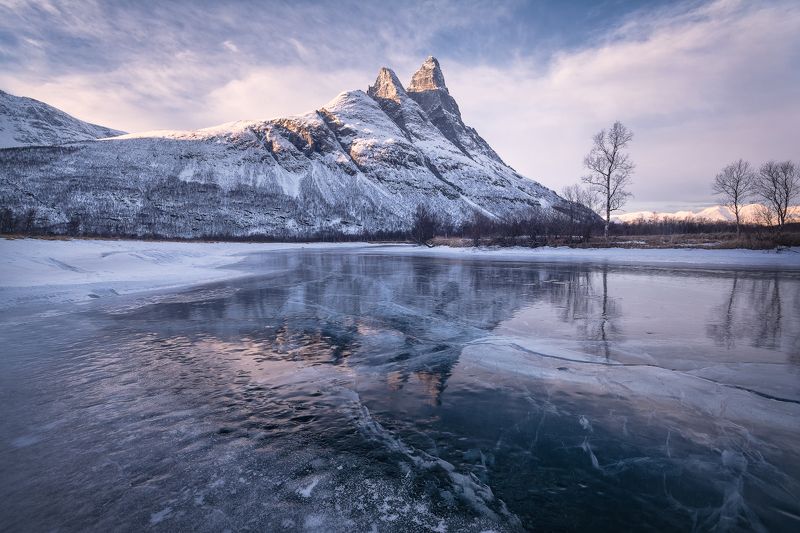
x=35, y=270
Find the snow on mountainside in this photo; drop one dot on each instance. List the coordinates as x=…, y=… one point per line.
x=749, y=214
x=361, y=163
x=25, y=121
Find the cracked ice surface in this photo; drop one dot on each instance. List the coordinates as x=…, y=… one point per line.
x=340, y=389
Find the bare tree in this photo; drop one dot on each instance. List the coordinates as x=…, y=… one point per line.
x=764, y=216
x=735, y=183
x=74, y=224
x=423, y=227
x=778, y=184
x=29, y=220
x=7, y=220
x=580, y=198
x=570, y=193
x=479, y=226
x=610, y=168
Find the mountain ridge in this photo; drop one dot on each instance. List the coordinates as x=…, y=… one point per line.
x=26, y=121
x=749, y=214
x=361, y=163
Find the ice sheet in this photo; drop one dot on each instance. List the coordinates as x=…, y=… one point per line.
x=55, y=271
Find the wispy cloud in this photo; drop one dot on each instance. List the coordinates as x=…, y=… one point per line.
x=699, y=82
x=152, y=65
x=230, y=45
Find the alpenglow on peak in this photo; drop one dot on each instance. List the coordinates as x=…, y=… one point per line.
x=387, y=85
x=429, y=77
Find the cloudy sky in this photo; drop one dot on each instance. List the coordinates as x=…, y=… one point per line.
x=700, y=82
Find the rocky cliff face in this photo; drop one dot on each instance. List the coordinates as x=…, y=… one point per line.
x=25, y=121
x=361, y=163
x=430, y=92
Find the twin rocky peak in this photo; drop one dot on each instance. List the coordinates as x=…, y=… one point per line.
x=429, y=91
x=429, y=77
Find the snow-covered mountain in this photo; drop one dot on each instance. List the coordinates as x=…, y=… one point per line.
x=749, y=214
x=361, y=163
x=25, y=122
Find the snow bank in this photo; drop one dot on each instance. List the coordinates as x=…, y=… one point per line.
x=35, y=270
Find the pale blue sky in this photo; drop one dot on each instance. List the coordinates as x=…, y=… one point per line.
x=700, y=83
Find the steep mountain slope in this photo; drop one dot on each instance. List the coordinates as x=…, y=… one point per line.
x=430, y=92
x=361, y=163
x=25, y=121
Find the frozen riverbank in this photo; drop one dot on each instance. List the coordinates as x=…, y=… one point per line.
x=45, y=271
x=37, y=270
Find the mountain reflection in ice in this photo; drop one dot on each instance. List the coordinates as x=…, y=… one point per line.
x=346, y=391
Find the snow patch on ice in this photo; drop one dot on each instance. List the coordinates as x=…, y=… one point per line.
x=588, y=449
x=52, y=272
x=160, y=516
x=306, y=491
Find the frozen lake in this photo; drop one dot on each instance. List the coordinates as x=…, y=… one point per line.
x=358, y=390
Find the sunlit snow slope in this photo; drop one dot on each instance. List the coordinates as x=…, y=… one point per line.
x=748, y=214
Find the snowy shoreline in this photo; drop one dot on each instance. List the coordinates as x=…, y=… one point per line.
x=45, y=271
x=61, y=271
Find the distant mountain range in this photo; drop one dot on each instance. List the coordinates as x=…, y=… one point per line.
x=25, y=122
x=360, y=164
x=749, y=214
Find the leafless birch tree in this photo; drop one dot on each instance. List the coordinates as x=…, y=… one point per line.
x=778, y=185
x=610, y=168
x=585, y=196
x=735, y=183
x=578, y=196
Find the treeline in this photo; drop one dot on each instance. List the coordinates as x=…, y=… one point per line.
x=24, y=223
x=747, y=235
x=538, y=228
x=676, y=226
x=534, y=227
x=29, y=222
